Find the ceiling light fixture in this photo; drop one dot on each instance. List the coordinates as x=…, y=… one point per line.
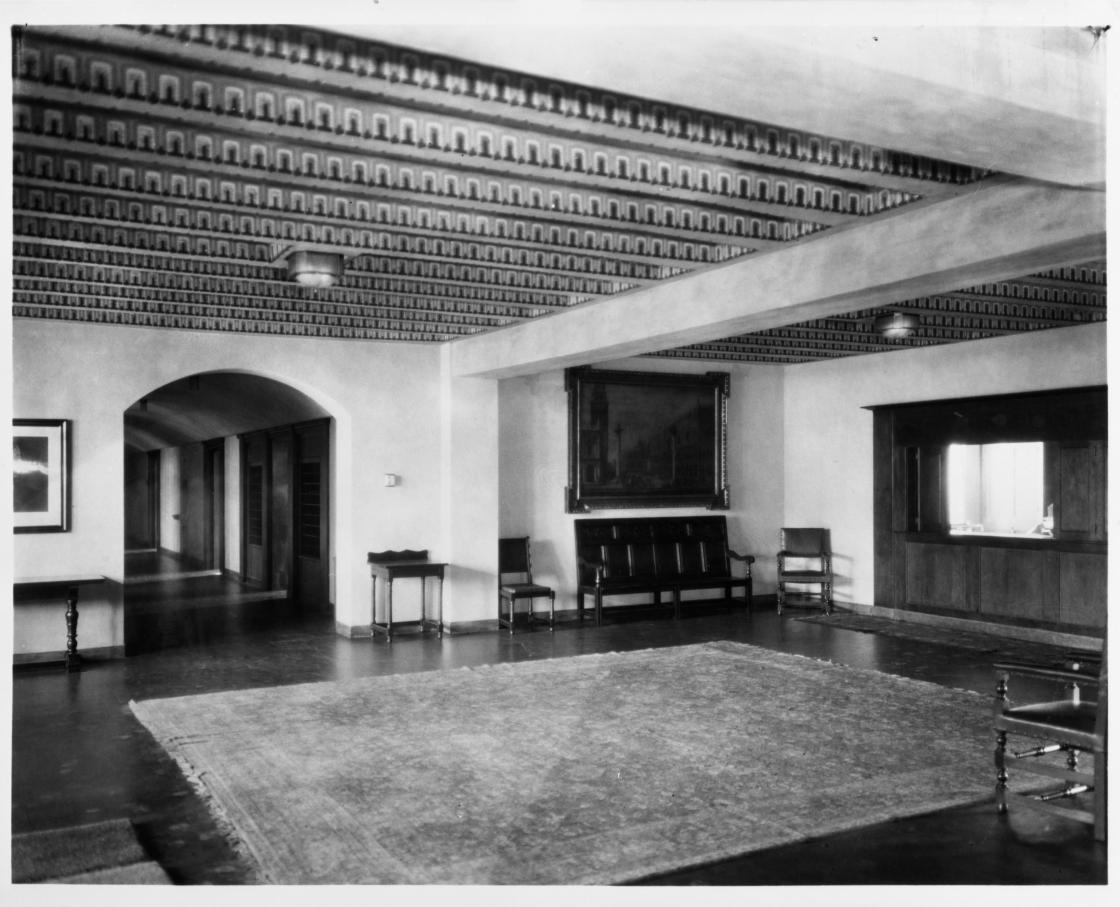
x=896, y=325
x=314, y=269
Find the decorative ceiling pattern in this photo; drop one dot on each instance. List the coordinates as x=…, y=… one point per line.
x=163, y=174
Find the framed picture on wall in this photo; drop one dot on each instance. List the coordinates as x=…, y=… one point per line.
x=646, y=439
x=41, y=475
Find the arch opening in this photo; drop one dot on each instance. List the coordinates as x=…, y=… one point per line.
x=228, y=509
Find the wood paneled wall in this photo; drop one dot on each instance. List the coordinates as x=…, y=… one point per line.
x=1058, y=582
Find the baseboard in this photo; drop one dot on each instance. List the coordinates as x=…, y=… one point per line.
x=463, y=627
x=98, y=653
x=455, y=628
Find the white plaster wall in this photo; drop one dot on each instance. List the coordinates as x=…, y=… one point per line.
x=385, y=400
x=170, y=494
x=232, y=514
x=828, y=433
x=470, y=509
x=533, y=459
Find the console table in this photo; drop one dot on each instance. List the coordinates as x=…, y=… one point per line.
x=391, y=565
x=39, y=587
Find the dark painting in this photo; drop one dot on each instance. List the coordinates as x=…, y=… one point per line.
x=641, y=439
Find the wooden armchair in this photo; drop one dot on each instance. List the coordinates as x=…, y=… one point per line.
x=806, y=558
x=1074, y=724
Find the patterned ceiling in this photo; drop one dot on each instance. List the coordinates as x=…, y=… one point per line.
x=163, y=174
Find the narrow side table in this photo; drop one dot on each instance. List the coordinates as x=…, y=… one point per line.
x=391, y=565
x=38, y=587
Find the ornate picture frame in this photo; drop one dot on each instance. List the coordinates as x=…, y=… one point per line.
x=646, y=439
x=41, y=475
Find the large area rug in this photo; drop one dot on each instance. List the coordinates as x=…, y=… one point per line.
x=585, y=770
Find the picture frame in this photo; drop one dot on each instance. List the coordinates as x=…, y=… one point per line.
x=41, y=475
x=646, y=439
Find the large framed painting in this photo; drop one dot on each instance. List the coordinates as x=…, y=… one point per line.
x=646, y=439
x=41, y=475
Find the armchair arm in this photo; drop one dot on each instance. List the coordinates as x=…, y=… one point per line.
x=1073, y=679
x=1043, y=672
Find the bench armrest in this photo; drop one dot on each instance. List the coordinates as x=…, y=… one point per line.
x=597, y=565
x=747, y=559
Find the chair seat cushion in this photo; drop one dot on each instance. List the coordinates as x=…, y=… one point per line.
x=519, y=590
x=802, y=575
x=1062, y=714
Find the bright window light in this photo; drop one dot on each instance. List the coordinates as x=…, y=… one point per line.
x=997, y=489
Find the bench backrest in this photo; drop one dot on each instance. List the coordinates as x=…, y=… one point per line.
x=653, y=548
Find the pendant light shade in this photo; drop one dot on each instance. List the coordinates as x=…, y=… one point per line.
x=896, y=325
x=314, y=269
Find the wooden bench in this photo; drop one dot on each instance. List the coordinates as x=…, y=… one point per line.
x=655, y=555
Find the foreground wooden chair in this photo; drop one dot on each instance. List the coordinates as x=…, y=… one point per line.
x=1074, y=724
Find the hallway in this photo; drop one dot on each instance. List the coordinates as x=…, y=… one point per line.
x=167, y=605
x=80, y=756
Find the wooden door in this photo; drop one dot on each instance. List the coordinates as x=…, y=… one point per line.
x=255, y=508
x=141, y=495
x=214, y=485
x=311, y=517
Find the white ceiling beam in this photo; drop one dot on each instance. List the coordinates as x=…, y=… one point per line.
x=1002, y=230
x=1024, y=101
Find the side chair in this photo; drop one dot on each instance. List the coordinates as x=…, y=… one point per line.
x=514, y=561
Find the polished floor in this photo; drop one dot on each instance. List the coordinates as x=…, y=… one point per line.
x=79, y=756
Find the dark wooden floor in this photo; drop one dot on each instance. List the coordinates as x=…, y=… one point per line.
x=78, y=754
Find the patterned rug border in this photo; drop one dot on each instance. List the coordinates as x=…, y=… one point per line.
x=202, y=778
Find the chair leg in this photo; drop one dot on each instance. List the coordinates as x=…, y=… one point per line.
x=781, y=596
x=551, y=611
x=511, y=603
x=1100, y=795
x=1001, y=771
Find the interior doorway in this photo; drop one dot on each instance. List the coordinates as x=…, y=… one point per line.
x=227, y=509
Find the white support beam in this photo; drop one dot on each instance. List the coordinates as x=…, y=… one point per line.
x=1026, y=101
x=1000, y=231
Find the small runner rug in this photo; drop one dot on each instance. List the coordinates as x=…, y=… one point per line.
x=101, y=853
x=972, y=640
x=592, y=769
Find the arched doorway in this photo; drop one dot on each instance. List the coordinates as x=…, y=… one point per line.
x=227, y=504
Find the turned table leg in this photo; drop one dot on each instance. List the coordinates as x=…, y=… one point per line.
x=73, y=659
